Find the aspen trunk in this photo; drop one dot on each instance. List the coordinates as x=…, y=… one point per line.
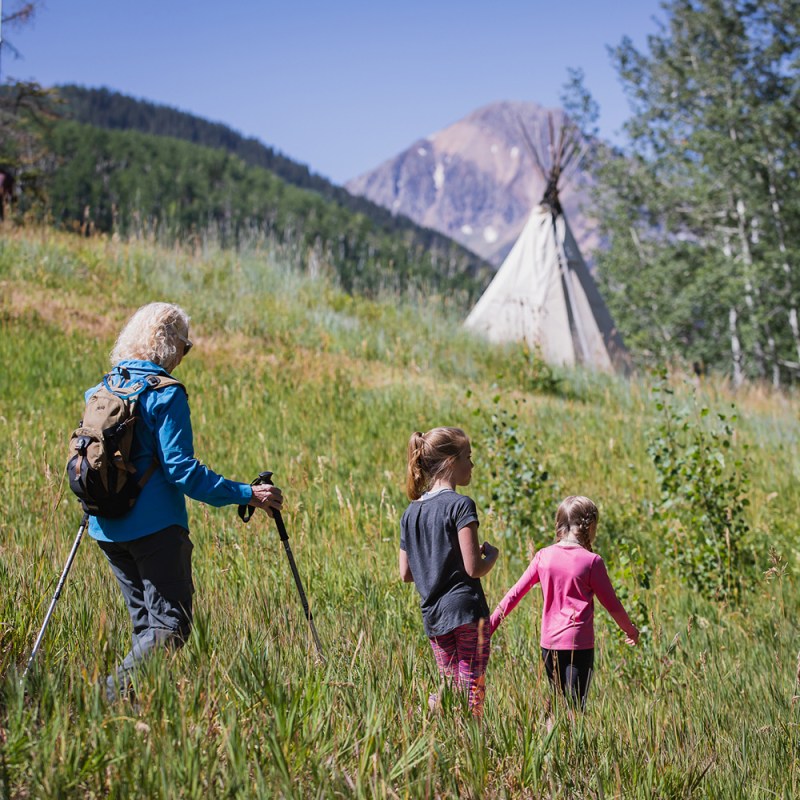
x=736, y=349
x=749, y=291
x=787, y=269
x=776, y=367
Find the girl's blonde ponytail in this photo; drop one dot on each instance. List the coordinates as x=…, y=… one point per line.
x=431, y=455
x=415, y=475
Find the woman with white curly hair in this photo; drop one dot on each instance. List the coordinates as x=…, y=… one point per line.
x=149, y=549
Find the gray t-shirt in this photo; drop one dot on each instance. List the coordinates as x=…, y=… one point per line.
x=429, y=535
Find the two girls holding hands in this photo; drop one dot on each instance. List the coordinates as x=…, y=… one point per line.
x=440, y=554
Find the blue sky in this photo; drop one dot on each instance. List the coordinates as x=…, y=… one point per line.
x=340, y=86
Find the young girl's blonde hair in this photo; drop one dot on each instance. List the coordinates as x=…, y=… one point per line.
x=431, y=455
x=577, y=515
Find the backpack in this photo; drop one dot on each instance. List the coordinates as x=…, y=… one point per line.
x=99, y=465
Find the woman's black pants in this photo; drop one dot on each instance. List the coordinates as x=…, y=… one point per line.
x=155, y=576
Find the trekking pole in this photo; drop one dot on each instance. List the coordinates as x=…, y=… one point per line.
x=245, y=512
x=61, y=582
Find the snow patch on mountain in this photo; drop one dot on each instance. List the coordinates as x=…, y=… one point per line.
x=438, y=176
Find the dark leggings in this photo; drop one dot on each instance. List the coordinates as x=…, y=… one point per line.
x=571, y=671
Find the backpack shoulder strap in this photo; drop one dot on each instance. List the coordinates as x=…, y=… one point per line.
x=162, y=381
x=157, y=382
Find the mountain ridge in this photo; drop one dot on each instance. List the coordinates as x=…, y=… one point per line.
x=112, y=110
x=475, y=181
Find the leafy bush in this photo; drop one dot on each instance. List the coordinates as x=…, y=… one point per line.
x=704, y=485
x=529, y=372
x=515, y=483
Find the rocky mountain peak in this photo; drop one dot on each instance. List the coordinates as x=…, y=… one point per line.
x=475, y=180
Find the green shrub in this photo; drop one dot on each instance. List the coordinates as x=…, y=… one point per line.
x=704, y=484
x=515, y=485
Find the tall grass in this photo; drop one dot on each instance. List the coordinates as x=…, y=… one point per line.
x=292, y=375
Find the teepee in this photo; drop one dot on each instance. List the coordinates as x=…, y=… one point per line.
x=543, y=293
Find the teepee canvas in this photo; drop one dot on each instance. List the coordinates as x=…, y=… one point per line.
x=544, y=294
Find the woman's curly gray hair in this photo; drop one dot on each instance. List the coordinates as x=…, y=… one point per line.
x=157, y=332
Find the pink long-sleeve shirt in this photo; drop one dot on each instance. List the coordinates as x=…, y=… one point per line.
x=571, y=577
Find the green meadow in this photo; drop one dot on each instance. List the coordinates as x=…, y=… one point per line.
x=293, y=375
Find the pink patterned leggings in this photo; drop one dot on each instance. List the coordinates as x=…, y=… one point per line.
x=462, y=655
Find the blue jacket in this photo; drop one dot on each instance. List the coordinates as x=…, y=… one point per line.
x=164, y=430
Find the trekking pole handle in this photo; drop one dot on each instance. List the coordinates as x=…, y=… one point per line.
x=266, y=477
x=246, y=511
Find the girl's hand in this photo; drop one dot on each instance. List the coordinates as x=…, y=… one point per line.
x=489, y=552
x=632, y=639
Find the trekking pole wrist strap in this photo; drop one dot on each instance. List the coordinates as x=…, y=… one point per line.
x=246, y=510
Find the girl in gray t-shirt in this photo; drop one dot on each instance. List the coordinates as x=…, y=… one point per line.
x=440, y=553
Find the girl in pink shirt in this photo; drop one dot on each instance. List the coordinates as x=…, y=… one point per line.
x=571, y=576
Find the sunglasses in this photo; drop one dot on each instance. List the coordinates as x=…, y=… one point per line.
x=187, y=345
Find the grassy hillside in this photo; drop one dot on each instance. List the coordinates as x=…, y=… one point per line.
x=291, y=374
